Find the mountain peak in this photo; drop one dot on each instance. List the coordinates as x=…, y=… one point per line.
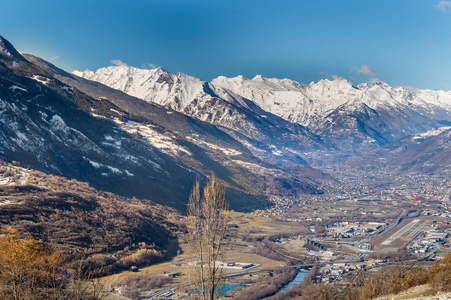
x=7, y=50
x=162, y=70
x=339, y=78
x=381, y=85
x=3, y=47
x=241, y=78
x=12, y=58
x=259, y=77
x=336, y=81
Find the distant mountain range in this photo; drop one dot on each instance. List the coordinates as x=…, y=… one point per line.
x=150, y=133
x=267, y=135
x=59, y=123
x=423, y=153
x=320, y=122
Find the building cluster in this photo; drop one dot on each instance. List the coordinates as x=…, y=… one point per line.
x=431, y=242
x=343, y=230
x=335, y=271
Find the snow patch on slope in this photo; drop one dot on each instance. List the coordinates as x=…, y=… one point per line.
x=226, y=151
x=431, y=133
x=99, y=165
x=161, y=141
x=15, y=87
x=41, y=79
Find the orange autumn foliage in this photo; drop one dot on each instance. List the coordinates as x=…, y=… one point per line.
x=440, y=274
x=28, y=269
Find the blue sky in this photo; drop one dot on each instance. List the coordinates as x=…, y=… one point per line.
x=401, y=42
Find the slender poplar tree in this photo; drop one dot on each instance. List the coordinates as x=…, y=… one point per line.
x=207, y=229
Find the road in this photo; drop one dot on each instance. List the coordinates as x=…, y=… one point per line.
x=393, y=224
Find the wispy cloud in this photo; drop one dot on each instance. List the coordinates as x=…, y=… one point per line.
x=364, y=69
x=443, y=5
x=148, y=66
x=364, y=73
x=56, y=57
x=118, y=63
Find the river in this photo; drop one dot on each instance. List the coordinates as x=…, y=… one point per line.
x=298, y=279
x=224, y=289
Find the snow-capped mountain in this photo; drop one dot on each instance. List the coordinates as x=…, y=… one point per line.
x=66, y=125
x=138, y=126
x=49, y=126
x=230, y=154
x=372, y=113
x=305, y=104
x=264, y=133
x=346, y=119
x=176, y=91
x=179, y=92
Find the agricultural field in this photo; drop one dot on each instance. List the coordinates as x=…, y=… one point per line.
x=258, y=225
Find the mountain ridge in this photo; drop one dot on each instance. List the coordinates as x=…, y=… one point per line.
x=210, y=137
x=174, y=144
x=224, y=125
x=333, y=114
x=48, y=126
x=422, y=153
x=242, y=119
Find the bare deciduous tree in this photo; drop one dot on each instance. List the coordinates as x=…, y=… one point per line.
x=207, y=229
